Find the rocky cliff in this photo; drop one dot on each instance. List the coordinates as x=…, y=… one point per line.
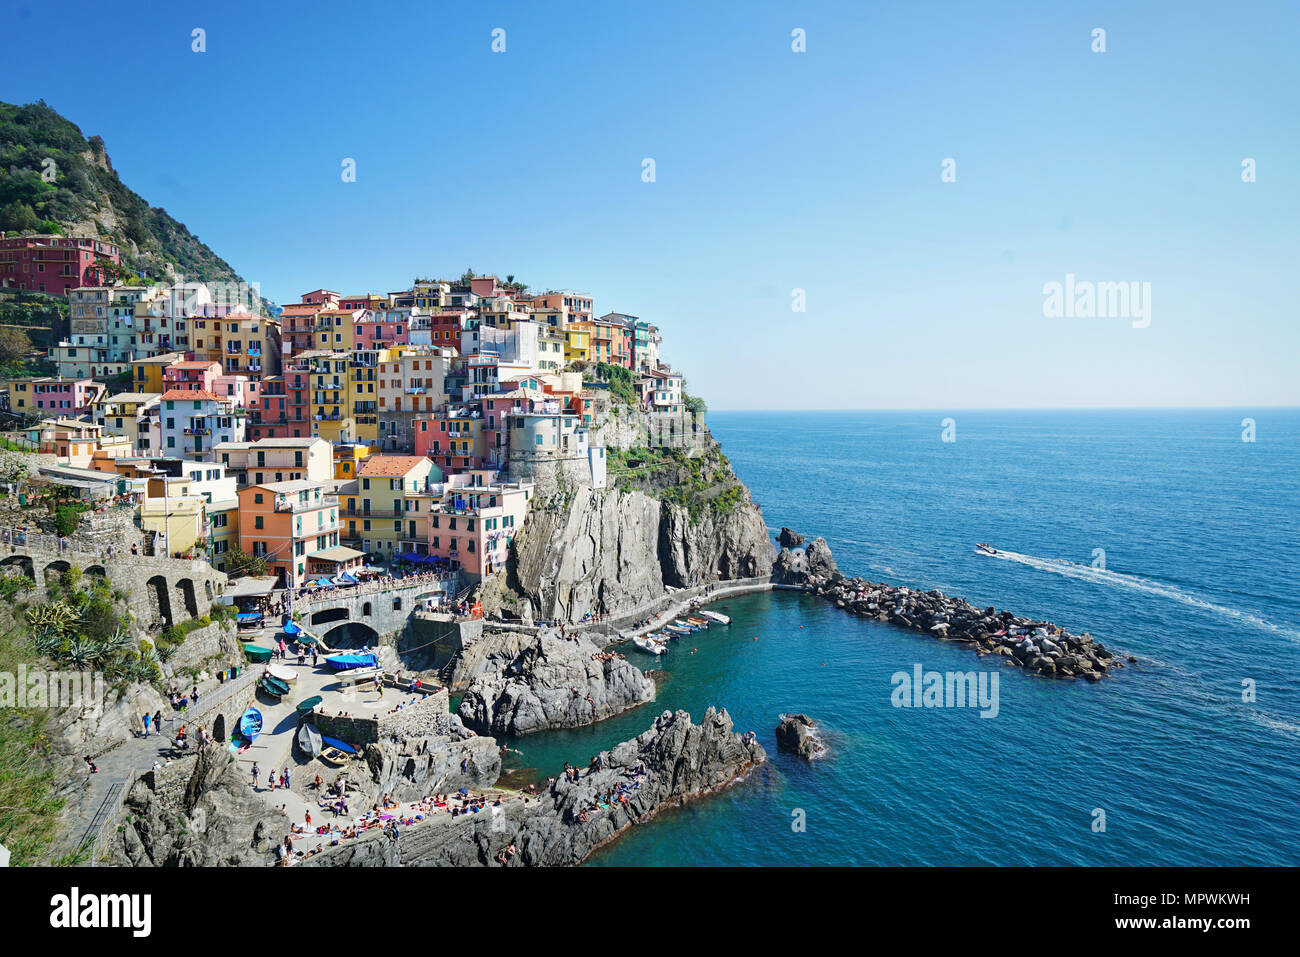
x=612, y=552
x=411, y=767
x=536, y=682
x=197, y=812
x=673, y=762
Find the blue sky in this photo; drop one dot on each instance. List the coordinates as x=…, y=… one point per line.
x=775, y=170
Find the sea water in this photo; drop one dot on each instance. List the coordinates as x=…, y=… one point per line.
x=1162, y=533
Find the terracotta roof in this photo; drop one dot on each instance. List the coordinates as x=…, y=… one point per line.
x=190, y=395
x=389, y=465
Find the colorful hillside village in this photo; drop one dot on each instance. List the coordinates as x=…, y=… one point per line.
x=348, y=435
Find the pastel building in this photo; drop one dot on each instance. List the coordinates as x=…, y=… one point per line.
x=294, y=526
x=383, y=509
x=277, y=460
x=194, y=421
x=133, y=415
x=53, y=264
x=471, y=527
x=46, y=394
x=455, y=438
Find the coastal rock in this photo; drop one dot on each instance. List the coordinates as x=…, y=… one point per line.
x=610, y=552
x=790, y=568
x=789, y=538
x=411, y=768
x=820, y=562
x=798, y=733
x=534, y=683
x=681, y=761
x=197, y=812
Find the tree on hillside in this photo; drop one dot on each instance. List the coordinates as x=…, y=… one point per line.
x=14, y=344
x=19, y=217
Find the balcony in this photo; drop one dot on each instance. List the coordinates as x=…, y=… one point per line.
x=200, y=431
x=284, y=503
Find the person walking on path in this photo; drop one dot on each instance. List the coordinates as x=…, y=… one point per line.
x=157, y=721
x=146, y=719
x=257, y=773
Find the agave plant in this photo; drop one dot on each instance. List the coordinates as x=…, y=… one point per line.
x=119, y=640
x=45, y=641
x=83, y=652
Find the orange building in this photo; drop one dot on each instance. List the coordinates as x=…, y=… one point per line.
x=295, y=527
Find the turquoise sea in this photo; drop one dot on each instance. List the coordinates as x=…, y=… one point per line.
x=1201, y=534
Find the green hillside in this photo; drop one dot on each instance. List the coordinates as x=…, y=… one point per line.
x=86, y=198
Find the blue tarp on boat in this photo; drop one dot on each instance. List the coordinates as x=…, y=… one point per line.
x=347, y=662
x=336, y=743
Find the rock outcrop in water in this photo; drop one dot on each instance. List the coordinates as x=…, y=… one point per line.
x=798, y=734
x=677, y=762
x=537, y=682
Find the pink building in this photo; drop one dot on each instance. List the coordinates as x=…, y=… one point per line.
x=474, y=523
x=198, y=375
x=380, y=329
x=64, y=396
x=53, y=264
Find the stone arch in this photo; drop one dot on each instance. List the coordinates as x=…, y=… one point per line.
x=95, y=570
x=219, y=728
x=207, y=588
x=185, y=589
x=160, y=598
x=351, y=634
x=56, y=568
x=22, y=562
x=328, y=615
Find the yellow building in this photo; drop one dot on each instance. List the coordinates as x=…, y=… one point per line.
x=177, y=518
x=386, y=511
x=348, y=459
x=577, y=343
x=363, y=394
x=336, y=329
x=147, y=374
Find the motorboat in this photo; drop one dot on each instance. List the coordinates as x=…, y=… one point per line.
x=717, y=616
x=985, y=549
x=650, y=645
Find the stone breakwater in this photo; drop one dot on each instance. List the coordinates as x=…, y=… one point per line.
x=672, y=763
x=1037, y=647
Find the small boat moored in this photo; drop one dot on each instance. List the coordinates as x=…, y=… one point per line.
x=273, y=686
x=717, y=616
x=250, y=723
x=650, y=645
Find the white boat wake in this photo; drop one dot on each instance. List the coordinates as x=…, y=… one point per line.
x=1101, y=576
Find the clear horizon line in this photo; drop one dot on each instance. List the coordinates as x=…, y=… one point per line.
x=1019, y=408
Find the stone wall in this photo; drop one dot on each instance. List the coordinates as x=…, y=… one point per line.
x=428, y=716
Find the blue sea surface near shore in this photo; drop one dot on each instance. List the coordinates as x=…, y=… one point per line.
x=1201, y=539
